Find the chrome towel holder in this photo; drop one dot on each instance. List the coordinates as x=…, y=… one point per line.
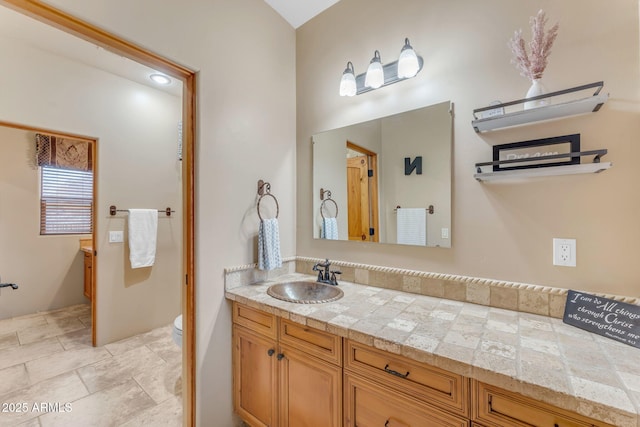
x=264, y=189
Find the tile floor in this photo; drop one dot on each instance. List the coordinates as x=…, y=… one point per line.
x=50, y=375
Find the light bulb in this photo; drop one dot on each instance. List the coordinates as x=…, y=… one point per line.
x=161, y=79
x=375, y=74
x=408, y=62
x=348, y=81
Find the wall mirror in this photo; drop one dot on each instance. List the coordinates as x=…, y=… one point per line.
x=387, y=180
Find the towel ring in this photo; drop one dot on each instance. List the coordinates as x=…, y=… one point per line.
x=329, y=199
x=264, y=189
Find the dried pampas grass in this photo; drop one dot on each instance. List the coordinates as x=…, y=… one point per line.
x=532, y=65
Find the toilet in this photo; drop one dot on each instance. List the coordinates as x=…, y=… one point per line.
x=177, y=331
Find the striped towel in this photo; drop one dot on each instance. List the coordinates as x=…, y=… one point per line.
x=269, y=245
x=329, y=229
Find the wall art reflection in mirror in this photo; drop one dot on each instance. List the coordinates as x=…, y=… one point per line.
x=364, y=165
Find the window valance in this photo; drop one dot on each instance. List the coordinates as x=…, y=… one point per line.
x=64, y=152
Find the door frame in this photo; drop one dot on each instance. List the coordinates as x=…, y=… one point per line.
x=77, y=27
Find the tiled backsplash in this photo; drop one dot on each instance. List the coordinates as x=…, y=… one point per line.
x=543, y=300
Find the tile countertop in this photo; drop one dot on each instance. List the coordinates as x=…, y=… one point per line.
x=537, y=356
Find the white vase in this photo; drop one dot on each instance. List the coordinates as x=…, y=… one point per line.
x=537, y=88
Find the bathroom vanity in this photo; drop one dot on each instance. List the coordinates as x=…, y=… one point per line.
x=390, y=358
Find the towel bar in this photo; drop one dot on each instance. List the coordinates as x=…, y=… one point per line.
x=113, y=210
x=430, y=209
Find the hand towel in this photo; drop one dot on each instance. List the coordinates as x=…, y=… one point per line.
x=329, y=229
x=143, y=231
x=411, y=225
x=269, y=245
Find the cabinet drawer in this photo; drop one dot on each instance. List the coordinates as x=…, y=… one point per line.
x=369, y=404
x=495, y=407
x=256, y=320
x=439, y=387
x=318, y=343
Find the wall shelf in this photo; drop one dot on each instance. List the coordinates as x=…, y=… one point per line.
x=538, y=171
x=497, y=120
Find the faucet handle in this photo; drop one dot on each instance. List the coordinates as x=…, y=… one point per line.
x=333, y=279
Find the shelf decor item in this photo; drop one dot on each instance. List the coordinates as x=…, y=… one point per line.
x=532, y=62
x=541, y=152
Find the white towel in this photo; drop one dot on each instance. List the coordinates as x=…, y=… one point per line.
x=329, y=229
x=411, y=224
x=143, y=231
x=269, y=245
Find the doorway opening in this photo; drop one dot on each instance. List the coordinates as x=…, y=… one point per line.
x=72, y=25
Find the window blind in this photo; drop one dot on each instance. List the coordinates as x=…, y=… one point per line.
x=66, y=202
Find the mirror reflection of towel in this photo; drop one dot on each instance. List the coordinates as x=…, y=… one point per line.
x=269, y=245
x=143, y=233
x=411, y=226
x=329, y=229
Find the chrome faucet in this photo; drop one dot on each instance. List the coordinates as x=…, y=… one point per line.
x=326, y=276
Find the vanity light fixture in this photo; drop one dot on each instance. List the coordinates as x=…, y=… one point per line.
x=160, y=79
x=348, y=85
x=378, y=75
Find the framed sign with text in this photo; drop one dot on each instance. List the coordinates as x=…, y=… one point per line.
x=613, y=319
x=537, y=150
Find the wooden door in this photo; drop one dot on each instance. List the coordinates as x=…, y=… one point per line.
x=358, y=197
x=310, y=391
x=255, y=378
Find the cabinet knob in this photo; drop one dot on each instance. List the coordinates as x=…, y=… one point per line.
x=271, y=352
x=280, y=356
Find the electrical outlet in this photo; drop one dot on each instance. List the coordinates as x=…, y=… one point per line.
x=445, y=233
x=564, y=252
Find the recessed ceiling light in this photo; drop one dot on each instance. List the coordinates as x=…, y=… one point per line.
x=161, y=79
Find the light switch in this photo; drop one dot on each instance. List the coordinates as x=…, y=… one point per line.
x=445, y=233
x=116, y=236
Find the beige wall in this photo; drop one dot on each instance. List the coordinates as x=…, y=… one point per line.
x=137, y=167
x=505, y=230
x=244, y=53
x=47, y=269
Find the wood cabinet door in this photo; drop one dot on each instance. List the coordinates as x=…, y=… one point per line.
x=255, y=378
x=310, y=391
